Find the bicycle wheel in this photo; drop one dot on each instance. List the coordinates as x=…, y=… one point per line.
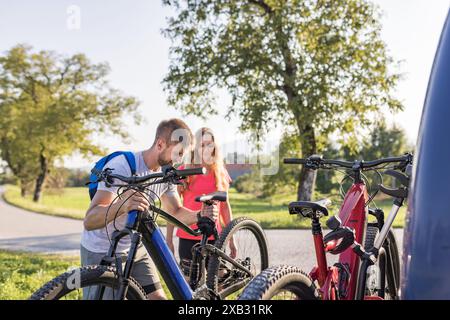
x=281, y=283
x=69, y=285
x=392, y=281
x=251, y=251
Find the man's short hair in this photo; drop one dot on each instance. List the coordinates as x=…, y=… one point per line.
x=166, y=129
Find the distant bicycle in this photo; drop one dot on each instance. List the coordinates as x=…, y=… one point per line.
x=225, y=275
x=368, y=266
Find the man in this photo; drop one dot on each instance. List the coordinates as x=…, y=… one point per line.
x=173, y=138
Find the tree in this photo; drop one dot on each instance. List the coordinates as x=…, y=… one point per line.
x=285, y=179
x=314, y=66
x=385, y=141
x=52, y=106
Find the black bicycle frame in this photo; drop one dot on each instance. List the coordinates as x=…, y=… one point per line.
x=144, y=228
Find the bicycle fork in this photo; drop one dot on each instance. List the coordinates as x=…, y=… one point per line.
x=110, y=258
x=378, y=253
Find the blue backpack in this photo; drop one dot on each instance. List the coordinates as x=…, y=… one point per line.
x=101, y=163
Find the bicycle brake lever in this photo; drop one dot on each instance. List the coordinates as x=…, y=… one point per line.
x=396, y=193
x=401, y=177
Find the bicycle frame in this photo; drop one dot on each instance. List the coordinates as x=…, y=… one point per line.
x=353, y=214
x=347, y=279
x=147, y=231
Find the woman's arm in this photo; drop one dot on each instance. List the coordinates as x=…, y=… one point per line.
x=169, y=236
x=226, y=214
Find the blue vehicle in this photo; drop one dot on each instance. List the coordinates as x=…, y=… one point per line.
x=225, y=275
x=426, y=255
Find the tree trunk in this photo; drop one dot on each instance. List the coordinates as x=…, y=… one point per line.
x=41, y=178
x=23, y=191
x=307, y=178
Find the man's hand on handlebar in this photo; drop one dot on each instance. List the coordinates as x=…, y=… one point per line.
x=132, y=200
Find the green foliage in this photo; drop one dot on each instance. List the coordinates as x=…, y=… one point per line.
x=382, y=141
x=299, y=62
x=250, y=183
x=61, y=177
x=57, y=179
x=77, y=178
x=23, y=273
x=385, y=141
x=52, y=106
x=316, y=67
x=68, y=202
x=287, y=176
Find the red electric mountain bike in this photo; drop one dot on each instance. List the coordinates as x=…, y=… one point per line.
x=369, y=264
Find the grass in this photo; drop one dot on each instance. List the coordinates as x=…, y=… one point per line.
x=22, y=273
x=270, y=213
x=67, y=202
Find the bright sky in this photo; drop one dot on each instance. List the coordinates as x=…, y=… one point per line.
x=127, y=35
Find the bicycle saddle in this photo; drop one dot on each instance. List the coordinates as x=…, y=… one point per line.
x=308, y=208
x=214, y=196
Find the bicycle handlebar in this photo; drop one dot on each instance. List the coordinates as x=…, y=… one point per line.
x=107, y=176
x=315, y=162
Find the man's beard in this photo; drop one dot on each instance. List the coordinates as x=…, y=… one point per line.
x=163, y=162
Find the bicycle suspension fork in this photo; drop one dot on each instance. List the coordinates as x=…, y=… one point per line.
x=378, y=253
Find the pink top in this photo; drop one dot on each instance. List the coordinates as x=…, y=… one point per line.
x=199, y=185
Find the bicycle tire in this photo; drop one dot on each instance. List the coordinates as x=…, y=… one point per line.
x=391, y=248
x=241, y=223
x=274, y=280
x=93, y=275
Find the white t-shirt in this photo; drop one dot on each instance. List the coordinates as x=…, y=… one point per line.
x=97, y=240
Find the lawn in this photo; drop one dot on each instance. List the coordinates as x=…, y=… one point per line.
x=23, y=273
x=270, y=213
x=67, y=202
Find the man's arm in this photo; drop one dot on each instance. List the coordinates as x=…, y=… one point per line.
x=173, y=206
x=96, y=214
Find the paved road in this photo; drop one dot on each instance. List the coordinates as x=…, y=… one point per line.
x=27, y=231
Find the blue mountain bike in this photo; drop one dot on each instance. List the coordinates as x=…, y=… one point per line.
x=222, y=277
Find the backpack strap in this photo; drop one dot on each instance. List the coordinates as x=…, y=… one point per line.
x=131, y=161
x=100, y=164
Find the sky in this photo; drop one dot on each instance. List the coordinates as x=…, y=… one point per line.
x=127, y=34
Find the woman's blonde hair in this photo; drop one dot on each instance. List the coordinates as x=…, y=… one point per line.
x=217, y=165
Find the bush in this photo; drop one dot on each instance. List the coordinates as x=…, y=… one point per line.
x=6, y=178
x=249, y=183
x=77, y=178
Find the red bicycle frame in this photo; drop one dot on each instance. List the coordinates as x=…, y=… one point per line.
x=333, y=282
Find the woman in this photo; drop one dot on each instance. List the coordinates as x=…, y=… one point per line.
x=206, y=154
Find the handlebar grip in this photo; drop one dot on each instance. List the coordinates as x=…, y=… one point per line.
x=190, y=172
x=396, y=193
x=294, y=161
